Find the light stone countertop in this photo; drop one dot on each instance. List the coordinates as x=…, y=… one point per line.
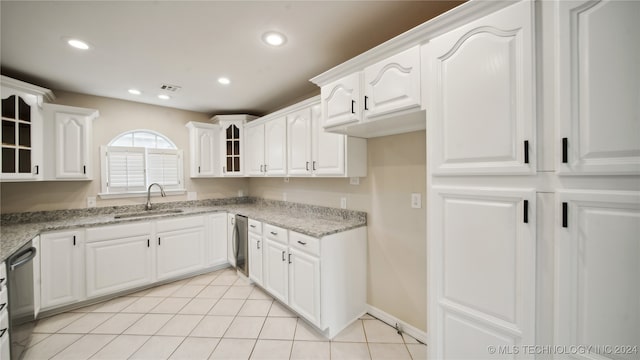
x=17, y=229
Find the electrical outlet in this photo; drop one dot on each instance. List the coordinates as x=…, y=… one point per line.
x=343, y=202
x=284, y=196
x=192, y=195
x=416, y=200
x=91, y=201
x=354, y=180
x=240, y=193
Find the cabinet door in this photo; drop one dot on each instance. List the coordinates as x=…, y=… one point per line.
x=599, y=87
x=61, y=268
x=341, y=101
x=206, y=154
x=255, y=258
x=299, y=143
x=482, y=95
x=393, y=85
x=597, y=270
x=72, y=133
x=304, y=285
x=231, y=223
x=482, y=270
x=255, y=150
x=21, y=134
x=179, y=252
x=275, y=141
x=275, y=269
x=217, y=240
x=116, y=265
x=328, y=151
x=232, y=143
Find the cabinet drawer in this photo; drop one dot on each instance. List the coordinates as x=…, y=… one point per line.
x=255, y=227
x=276, y=233
x=305, y=243
x=118, y=231
x=179, y=223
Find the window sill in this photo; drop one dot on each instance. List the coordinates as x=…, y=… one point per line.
x=140, y=194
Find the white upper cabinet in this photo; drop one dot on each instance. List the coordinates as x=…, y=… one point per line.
x=382, y=99
x=266, y=147
x=299, y=142
x=22, y=130
x=275, y=146
x=204, y=149
x=341, y=100
x=68, y=142
x=393, y=84
x=598, y=69
x=312, y=151
x=231, y=143
x=255, y=150
x=481, y=95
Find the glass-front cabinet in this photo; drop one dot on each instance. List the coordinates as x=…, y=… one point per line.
x=232, y=143
x=21, y=131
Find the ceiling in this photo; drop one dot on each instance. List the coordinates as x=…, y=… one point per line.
x=144, y=44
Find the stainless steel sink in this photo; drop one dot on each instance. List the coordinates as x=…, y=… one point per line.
x=148, y=213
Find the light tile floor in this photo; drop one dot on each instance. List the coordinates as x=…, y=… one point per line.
x=212, y=316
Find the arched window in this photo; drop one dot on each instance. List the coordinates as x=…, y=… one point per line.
x=135, y=159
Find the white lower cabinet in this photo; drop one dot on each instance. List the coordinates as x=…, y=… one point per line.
x=323, y=280
x=304, y=284
x=5, y=351
x=180, y=246
x=276, y=276
x=216, y=244
x=255, y=258
x=118, y=257
x=62, y=266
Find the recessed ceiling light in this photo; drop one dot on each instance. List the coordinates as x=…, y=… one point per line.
x=224, y=81
x=274, y=38
x=164, y=97
x=135, y=91
x=78, y=44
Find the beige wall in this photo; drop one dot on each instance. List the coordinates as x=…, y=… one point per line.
x=397, y=233
x=116, y=117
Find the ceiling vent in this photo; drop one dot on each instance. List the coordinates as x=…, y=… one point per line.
x=171, y=88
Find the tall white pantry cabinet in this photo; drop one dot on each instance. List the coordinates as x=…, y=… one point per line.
x=533, y=145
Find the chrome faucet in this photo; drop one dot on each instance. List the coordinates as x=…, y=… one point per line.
x=148, y=206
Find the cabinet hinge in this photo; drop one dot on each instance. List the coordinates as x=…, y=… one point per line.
x=565, y=214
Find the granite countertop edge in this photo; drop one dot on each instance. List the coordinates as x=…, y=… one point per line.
x=314, y=221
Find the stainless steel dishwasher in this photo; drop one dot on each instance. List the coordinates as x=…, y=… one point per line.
x=21, y=299
x=241, y=244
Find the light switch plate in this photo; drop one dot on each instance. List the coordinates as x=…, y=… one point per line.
x=240, y=193
x=343, y=202
x=91, y=201
x=416, y=200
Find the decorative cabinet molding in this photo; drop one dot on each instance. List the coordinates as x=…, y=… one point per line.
x=69, y=141
x=22, y=130
x=341, y=101
x=598, y=117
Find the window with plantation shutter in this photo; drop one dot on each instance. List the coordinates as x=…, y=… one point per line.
x=134, y=160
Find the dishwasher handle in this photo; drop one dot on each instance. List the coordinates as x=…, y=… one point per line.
x=22, y=258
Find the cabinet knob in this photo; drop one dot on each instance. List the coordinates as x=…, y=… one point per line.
x=307, y=166
x=283, y=256
x=353, y=106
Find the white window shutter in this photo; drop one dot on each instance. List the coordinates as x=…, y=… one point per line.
x=164, y=167
x=125, y=169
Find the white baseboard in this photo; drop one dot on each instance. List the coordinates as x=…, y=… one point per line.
x=392, y=320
